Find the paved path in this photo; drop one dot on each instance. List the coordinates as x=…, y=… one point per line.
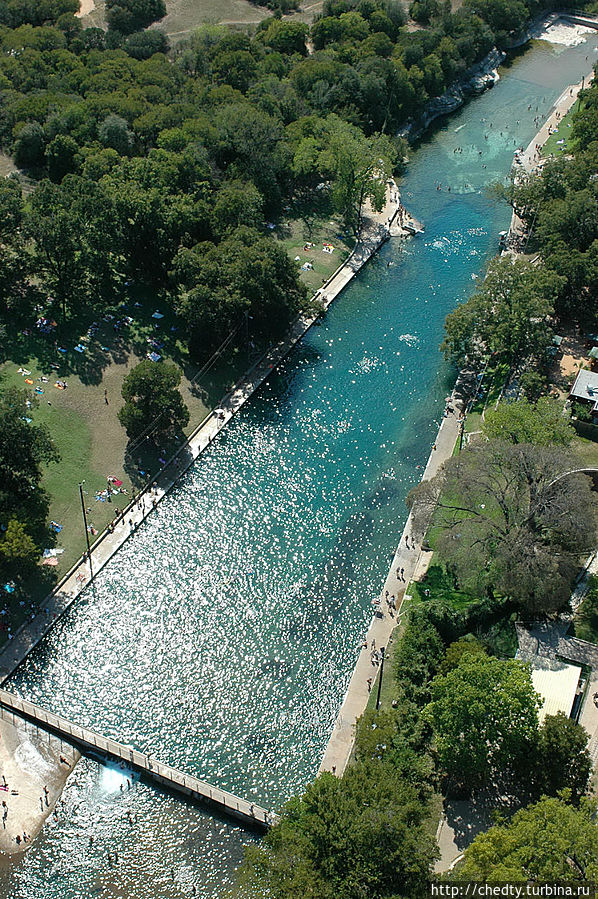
x=375, y=232
x=409, y=559
x=247, y=812
x=530, y=161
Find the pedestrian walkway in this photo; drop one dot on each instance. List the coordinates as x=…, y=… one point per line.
x=248, y=813
x=409, y=560
x=530, y=161
x=375, y=231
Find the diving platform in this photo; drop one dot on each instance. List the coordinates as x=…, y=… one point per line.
x=88, y=741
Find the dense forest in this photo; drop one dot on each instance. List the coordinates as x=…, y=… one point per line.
x=166, y=168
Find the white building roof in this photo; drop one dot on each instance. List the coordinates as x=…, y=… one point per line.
x=556, y=682
x=586, y=387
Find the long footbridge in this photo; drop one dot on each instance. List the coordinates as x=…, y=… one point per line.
x=248, y=813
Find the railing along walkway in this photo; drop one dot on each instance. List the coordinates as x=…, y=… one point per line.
x=227, y=803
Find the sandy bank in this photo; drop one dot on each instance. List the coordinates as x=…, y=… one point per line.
x=30, y=760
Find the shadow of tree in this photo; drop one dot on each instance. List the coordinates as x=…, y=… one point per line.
x=469, y=817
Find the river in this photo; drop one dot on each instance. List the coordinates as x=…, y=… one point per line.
x=222, y=636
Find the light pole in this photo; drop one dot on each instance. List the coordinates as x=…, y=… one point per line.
x=86, y=530
x=380, y=678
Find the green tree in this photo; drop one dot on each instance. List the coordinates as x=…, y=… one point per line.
x=30, y=146
x=70, y=26
x=11, y=209
x=152, y=397
x=542, y=423
x=143, y=44
x=127, y=16
x=58, y=245
x=586, y=617
x=508, y=521
x=508, y=315
x=247, y=273
x=18, y=552
x=359, y=167
x=237, y=203
x=285, y=37
x=235, y=67
x=114, y=132
x=561, y=760
x=484, y=714
x=14, y=259
x=548, y=841
x=25, y=449
x=424, y=10
x=524, y=193
x=455, y=652
x=362, y=835
x=61, y=155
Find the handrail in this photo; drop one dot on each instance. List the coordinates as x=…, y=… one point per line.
x=246, y=811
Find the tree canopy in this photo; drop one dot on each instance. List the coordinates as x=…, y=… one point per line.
x=245, y=274
x=558, y=206
x=508, y=521
x=128, y=16
x=484, y=713
x=152, y=400
x=562, y=760
x=509, y=314
x=548, y=841
x=543, y=423
x=25, y=449
x=359, y=835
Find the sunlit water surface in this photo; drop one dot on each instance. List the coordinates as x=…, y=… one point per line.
x=222, y=636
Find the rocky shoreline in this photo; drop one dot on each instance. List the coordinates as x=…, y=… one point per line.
x=473, y=81
x=485, y=73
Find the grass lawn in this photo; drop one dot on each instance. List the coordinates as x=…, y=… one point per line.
x=184, y=16
x=304, y=236
x=388, y=691
x=86, y=430
x=587, y=450
x=492, y=384
x=552, y=146
x=438, y=584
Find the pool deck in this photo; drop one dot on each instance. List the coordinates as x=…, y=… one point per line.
x=414, y=560
x=531, y=161
x=375, y=231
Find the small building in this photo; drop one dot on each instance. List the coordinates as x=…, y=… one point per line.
x=555, y=346
x=585, y=390
x=556, y=682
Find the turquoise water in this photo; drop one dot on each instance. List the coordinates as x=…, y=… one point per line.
x=222, y=637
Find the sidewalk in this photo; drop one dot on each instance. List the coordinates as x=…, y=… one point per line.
x=530, y=161
x=375, y=231
x=410, y=557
